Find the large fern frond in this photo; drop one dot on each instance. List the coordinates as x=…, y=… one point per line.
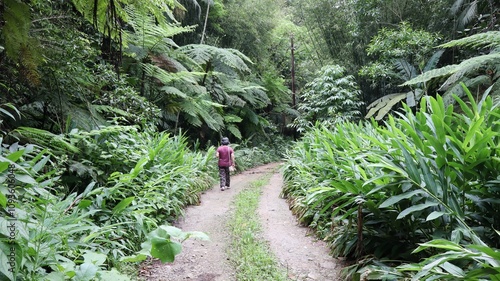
x=148, y=34
x=168, y=78
x=463, y=67
x=58, y=143
x=488, y=39
x=458, y=89
x=202, y=54
x=234, y=131
x=106, y=15
x=200, y=111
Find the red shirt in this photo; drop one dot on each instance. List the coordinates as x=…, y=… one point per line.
x=225, y=155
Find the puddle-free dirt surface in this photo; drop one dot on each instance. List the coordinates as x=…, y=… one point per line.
x=299, y=253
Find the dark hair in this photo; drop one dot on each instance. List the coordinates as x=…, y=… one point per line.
x=225, y=141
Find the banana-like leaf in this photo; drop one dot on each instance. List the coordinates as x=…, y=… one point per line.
x=383, y=105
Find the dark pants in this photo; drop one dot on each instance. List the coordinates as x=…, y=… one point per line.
x=224, y=176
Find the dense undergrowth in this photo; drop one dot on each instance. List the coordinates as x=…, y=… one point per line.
x=92, y=205
x=415, y=198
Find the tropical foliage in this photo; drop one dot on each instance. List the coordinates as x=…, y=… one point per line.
x=479, y=73
x=329, y=99
x=58, y=228
x=106, y=105
x=377, y=192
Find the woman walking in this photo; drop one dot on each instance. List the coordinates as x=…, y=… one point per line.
x=226, y=160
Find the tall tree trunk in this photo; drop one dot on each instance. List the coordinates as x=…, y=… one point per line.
x=205, y=24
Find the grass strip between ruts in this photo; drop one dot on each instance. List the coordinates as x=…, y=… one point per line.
x=248, y=252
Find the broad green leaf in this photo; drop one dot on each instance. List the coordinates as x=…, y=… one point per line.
x=472, y=132
x=139, y=167
x=411, y=167
x=416, y=208
x=3, y=165
x=84, y=203
x=440, y=244
x=26, y=179
x=40, y=164
x=86, y=272
x=113, y=275
x=122, y=205
x=495, y=254
x=165, y=249
x=5, y=267
x=453, y=269
x=14, y=156
x=7, y=249
x=434, y=215
x=395, y=199
x=480, y=272
x=95, y=258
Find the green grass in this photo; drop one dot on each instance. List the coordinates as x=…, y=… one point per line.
x=248, y=252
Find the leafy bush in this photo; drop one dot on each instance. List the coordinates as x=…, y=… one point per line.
x=380, y=191
x=331, y=98
x=84, y=233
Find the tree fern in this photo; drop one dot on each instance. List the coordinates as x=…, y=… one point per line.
x=463, y=67
x=489, y=39
x=148, y=34
x=234, y=131
x=107, y=14
x=203, y=54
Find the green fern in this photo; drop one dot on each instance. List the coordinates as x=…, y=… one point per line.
x=462, y=68
x=489, y=39
x=149, y=34
x=203, y=54
x=58, y=143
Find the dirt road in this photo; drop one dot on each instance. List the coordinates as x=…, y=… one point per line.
x=301, y=255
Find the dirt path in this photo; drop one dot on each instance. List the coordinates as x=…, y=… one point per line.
x=304, y=257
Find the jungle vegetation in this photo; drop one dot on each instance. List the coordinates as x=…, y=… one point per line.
x=384, y=111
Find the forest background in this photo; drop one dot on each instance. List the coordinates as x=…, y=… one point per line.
x=106, y=105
